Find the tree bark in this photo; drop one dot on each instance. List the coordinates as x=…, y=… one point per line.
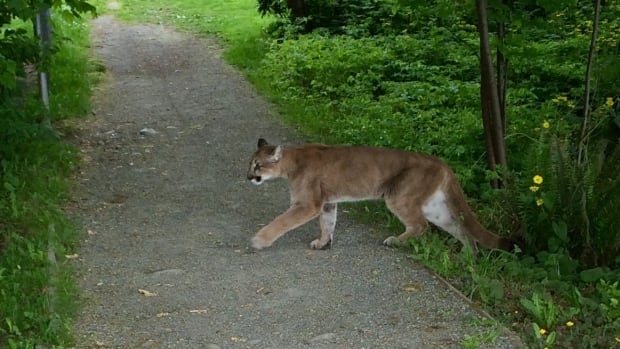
x=486, y=120
x=583, y=141
x=502, y=71
x=585, y=135
x=492, y=116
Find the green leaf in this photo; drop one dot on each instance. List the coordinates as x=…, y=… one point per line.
x=561, y=230
x=551, y=338
x=536, y=329
x=496, y=289
x=592, y=275
x=7, y=73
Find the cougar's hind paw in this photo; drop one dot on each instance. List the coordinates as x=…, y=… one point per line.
x=392, y=241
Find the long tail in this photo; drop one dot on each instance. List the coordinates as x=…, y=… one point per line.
x=470, y=223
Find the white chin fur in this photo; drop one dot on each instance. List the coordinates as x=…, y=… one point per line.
x=256, y=182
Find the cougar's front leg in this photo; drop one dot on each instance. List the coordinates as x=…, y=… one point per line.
x=328, y=223
x=295, y=216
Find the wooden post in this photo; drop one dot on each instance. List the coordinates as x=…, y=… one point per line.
x=44, y=32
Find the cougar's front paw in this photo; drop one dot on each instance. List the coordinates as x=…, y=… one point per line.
x=259, y=243
x=392, y=241
x=317, y=244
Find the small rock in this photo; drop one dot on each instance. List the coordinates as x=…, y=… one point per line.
x=323, y=337
x=167, y=272
x=147, y=131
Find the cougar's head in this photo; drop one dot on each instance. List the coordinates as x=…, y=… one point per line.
x=265, y=162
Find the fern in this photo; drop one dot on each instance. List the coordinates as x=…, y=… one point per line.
x=605, y=205
x=585, y=197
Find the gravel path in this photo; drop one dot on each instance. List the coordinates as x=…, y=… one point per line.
x=165, y=260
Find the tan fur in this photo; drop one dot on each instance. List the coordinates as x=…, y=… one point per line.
x=416, y=187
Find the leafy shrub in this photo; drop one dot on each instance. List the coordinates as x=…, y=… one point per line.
x=572, y=210
x=355, y=17
x=419, y=91
x=17, y=45
x=34, y=168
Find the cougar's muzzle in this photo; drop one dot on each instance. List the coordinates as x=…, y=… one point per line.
x=255, y=179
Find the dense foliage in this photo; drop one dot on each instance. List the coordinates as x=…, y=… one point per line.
x=36, y=288
x=405, y=74
x=18, y=46
x=414, y=84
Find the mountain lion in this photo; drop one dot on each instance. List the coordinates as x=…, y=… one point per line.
x=417, y=188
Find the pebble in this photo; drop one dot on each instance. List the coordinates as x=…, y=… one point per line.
x=147, y=131
x=167, y=272
x=323, y=337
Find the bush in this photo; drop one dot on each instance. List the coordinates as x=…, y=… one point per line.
x=354, y=17
x=571, y=209
x=37, y=294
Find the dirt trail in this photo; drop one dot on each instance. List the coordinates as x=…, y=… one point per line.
x=170, y=213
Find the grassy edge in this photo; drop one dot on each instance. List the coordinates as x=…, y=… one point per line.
x=39, y=293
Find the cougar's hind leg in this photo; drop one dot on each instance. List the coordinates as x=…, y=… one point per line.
x=327, y=221
x=410, y=215
x=436, y=211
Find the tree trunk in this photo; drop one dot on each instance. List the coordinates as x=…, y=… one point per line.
x=583, y=141
x=486, y=120
x=492, y=116
x=502, y=71
x=585, y=128
x=298, y=8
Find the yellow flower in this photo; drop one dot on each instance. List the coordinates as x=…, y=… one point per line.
x=609, y=101
x=570, y=324
x=539, y=202
x=537, y=179
x=618, y=339
x=542, y=331
x=545, y=124
x=562, y=98
x=534, y=188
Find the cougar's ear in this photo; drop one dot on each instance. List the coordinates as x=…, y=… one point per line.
x=262, y=142
x=277, y=154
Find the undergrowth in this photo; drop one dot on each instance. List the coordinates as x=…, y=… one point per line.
x=37, y=291
x=419, y=91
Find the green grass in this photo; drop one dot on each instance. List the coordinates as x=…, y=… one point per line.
x=37, y=292
x=235, y=22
